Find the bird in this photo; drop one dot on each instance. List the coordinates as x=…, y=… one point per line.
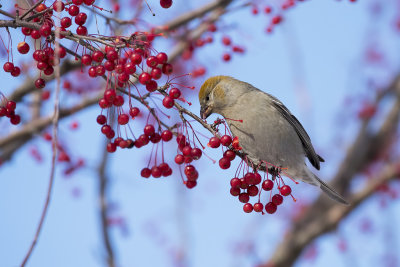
x=266, y=130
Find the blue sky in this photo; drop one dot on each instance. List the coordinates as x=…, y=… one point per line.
x=311, y=62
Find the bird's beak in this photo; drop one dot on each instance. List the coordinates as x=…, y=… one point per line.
x=205, y=111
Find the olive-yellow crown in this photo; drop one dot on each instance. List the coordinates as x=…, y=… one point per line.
x=210, y=84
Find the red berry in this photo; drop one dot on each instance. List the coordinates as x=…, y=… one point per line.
x=111, y=147
x=86, y=59
x=226, y=140
x=129, y=68
x=123, y=77
x=156, y=172
x=179, y=159
x=235, y=182
x=143, y=139
x=162, y=57
x=189, y=169
x=136, y=58
x=66, y=22
x=166, y=3
x=82, y=30
x=100, y=70
x=42, y=65
x=270, y=207
x=230, y=155
x=35, y=34
x=250, y=178
x=123, y=119
x=167, y=68
x=191, y=184
x=212, y=28
x=101, y=119
x=226, y=40
x=73, y=10
x=11, y=105
x=174, y=93
x=16, y=72
x=168, y=102
x=118, y=101
x=144, y=78
x=235, y=191
x=285, y=190
x=26, y=31
x=88, y=2
x=98, y=56
x=40, y=83
x=151, y=86
x=258, y=207
x=186, y=151
x=214, y=142
x=277, y=199
x=267, y=185
x=196, y=153
x=149, y=130
x=244, y=197
x=110, y=95
x=81, y=18
x=92, y=71
x=134, y=111
x=49, y=70
x=106, y=129
x=146, y=172
x=277, y=19
x=151, y=62
x=111, y=53
x=224, y=163
x=58, y=6
x=243, y=183
x=193, y=176
x=226, y=57
x=156, y=73
x=155, y=138
x=252, y=190
x=15, y=119
x=23, y=47
x=8, y=67
x=248, y=208
x=104, y=103
x=166, y=135
x=45, y=30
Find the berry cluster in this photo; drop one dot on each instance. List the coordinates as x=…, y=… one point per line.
x=14, y=70
x=251, y=184
x=227, y=42
x=189, y=154
x=7, y=108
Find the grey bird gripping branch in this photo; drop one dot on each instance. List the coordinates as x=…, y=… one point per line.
x=268, y=131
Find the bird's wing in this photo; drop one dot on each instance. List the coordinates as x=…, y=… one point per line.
x=313, y=157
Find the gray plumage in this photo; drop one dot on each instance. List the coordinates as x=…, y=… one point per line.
x=269, y=132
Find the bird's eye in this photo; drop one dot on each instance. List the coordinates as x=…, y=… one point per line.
x=207, y=98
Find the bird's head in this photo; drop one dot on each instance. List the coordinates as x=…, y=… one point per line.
x=215, y=94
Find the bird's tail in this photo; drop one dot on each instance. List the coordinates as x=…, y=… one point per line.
x=309, y=177
x=329, y=191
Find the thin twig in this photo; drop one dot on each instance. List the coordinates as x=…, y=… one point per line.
x=103, y=189
x=54, y=145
